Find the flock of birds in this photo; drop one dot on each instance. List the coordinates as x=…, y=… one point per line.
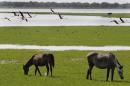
x=115, y=21
x=23, y=17
x=21, y=14
x=122, y=21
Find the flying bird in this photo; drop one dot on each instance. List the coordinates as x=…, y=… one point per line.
x=22, y=15
x=53, y=12
x=7, y=19
x=29, y=15
x=26, y=20
x=60, y=16
x=122, y=20
x=14, y=13
x=115, y=21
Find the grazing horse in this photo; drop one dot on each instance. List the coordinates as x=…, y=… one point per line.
x=108, y=61
x=40, y=60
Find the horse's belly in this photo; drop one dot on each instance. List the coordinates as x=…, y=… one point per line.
x=39, y=63
x=102, y=65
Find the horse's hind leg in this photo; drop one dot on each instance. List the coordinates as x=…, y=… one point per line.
x=108, y=71
x=47, y=67
x=51, y=69
x=89, y=72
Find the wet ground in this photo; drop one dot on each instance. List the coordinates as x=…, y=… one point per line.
x=8, y=19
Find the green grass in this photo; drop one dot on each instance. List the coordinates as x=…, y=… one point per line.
x=70, y=70
x=62, y=35
x=71, y=66
x=117, y=15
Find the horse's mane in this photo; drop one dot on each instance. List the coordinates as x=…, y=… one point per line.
x=92, y=54
x=30, y=61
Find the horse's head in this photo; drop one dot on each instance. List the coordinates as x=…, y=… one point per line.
x=26, y=69
x=120, y=71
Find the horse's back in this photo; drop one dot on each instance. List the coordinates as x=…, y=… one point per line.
x=40, y=59
x=43, y=59
x=101, y=60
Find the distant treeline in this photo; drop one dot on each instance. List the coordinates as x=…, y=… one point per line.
x=76, y=5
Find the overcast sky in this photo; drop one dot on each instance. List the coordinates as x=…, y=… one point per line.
x=90, y=1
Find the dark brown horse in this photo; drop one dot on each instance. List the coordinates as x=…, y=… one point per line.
x=40, y=60
x=108, y=61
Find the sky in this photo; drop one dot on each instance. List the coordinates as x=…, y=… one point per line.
x=59, y=1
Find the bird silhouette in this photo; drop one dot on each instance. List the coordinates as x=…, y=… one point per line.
x=29, y=15
x=14, y=13
x=122, y=20
x=22, y=15
x=115, y=21
x=7, y=19
x=60, y=16
x=53, y=12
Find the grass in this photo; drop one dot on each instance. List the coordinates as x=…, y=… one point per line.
x=63, y=35
x=71, y=66
x=117, y=15
x=70, y=70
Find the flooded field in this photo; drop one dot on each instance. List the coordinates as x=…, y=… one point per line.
x=8, y=19
x=64, y=48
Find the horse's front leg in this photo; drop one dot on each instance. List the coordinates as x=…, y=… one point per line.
x=90, y=72
x=38, y=70
x=108, y=71
x=35, y=71
x=112, y=73
x=47, y=67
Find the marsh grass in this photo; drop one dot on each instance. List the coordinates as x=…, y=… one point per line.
x=66, y=71
x=71, y=66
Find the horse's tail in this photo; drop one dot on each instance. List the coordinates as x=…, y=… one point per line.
x=52, y=60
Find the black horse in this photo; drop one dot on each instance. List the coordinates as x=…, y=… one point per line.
x=108, y=61
x=40, y=60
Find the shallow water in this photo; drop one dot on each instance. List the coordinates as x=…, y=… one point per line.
x=53, y=20
x=71, y=10
x=64, y=48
